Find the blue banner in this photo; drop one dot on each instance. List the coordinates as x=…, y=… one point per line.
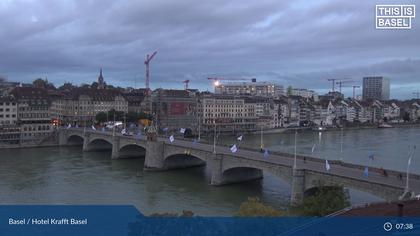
x=127, y=220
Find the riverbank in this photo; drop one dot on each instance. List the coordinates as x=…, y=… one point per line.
x=50, y=141
x=311, y=129
x=28, y=145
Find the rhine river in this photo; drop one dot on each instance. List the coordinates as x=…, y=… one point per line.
x=70, y=176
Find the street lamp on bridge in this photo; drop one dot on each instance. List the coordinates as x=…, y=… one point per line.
x=294, y=161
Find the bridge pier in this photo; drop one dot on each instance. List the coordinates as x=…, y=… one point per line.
x=298, y=187
x=62, y=138
x=154, y=159
x=115, y=148
x=216, y=168
x=86, y=141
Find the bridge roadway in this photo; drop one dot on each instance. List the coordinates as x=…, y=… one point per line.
x=246, y=164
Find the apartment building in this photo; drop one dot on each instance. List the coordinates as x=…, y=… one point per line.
x=9, y=130
x=254, y=88
x=175, y=109
x=33, y=113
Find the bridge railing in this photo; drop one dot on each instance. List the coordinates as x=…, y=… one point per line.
x=390, y=173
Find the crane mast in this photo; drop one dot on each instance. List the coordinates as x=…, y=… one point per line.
x=147, y=63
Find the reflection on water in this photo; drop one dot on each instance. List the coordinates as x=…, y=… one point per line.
x=389, y=146
x=70, y=176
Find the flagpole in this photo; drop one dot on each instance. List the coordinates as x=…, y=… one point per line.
x=214, y=138
x=113, y=130
x=294, y=162
x=408, y=168
x=199, y=129
x=341, y=144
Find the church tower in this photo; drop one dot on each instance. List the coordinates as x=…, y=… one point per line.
x=101, y=82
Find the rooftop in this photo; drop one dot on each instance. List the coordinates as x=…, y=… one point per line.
x=397, y=208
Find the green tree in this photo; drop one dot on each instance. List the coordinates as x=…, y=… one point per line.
x=94, y=85
x=40, y=83
x=325, y=200
x=254, y=207
x=406, y=116
x=132, y=117
x=168, y=214
x=101, y=117
x=289, y=90
x=67, y=86
x=119, y=115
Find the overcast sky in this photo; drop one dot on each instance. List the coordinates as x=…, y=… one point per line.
x=297, y=43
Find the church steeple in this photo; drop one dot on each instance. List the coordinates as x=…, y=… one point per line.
x=101, y=82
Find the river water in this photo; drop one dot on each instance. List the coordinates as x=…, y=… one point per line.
x=69, y=176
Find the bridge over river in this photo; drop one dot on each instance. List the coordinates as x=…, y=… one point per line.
x=247, y=164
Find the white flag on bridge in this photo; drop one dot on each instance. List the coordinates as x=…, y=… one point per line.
x=327, y=165
x=123, y=131
x=69, y=126
x=182, y=130
x=233, y=148
x=93, y=127
x=171, y=138
x=240, y=138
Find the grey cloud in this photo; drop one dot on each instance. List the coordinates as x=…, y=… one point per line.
x=290, y=42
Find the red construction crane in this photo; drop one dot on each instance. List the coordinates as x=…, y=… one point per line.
x=354, y=90
x=186, y=83
x=147, y=62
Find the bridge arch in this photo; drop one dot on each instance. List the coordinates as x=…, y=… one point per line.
x=75, y=139
x=98, y=144
x=241, y=174
x=313, y=180
x=254, y=169
x=132, y=151
x=183, y=160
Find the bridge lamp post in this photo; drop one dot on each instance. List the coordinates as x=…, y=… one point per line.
x=199, y=128
x=214, y=137
x=294, y=161
x=408, y=167
x=113, y=127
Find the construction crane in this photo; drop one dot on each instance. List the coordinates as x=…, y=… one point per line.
x=354, y=90
x=338, y=82
x=147, y=62
x=344, y=81
x=417, y=94
x=186, y=84
x=333, y=83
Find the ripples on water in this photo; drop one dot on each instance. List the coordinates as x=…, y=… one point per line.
x=70, y=176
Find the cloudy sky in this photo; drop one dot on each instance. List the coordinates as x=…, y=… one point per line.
x=297, y=43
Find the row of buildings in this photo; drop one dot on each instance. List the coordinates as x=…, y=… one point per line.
x=374, y=88
x=30, y=113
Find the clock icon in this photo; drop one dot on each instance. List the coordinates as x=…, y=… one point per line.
x=387, y=226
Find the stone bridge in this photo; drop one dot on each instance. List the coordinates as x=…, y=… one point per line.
x=227, y=167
